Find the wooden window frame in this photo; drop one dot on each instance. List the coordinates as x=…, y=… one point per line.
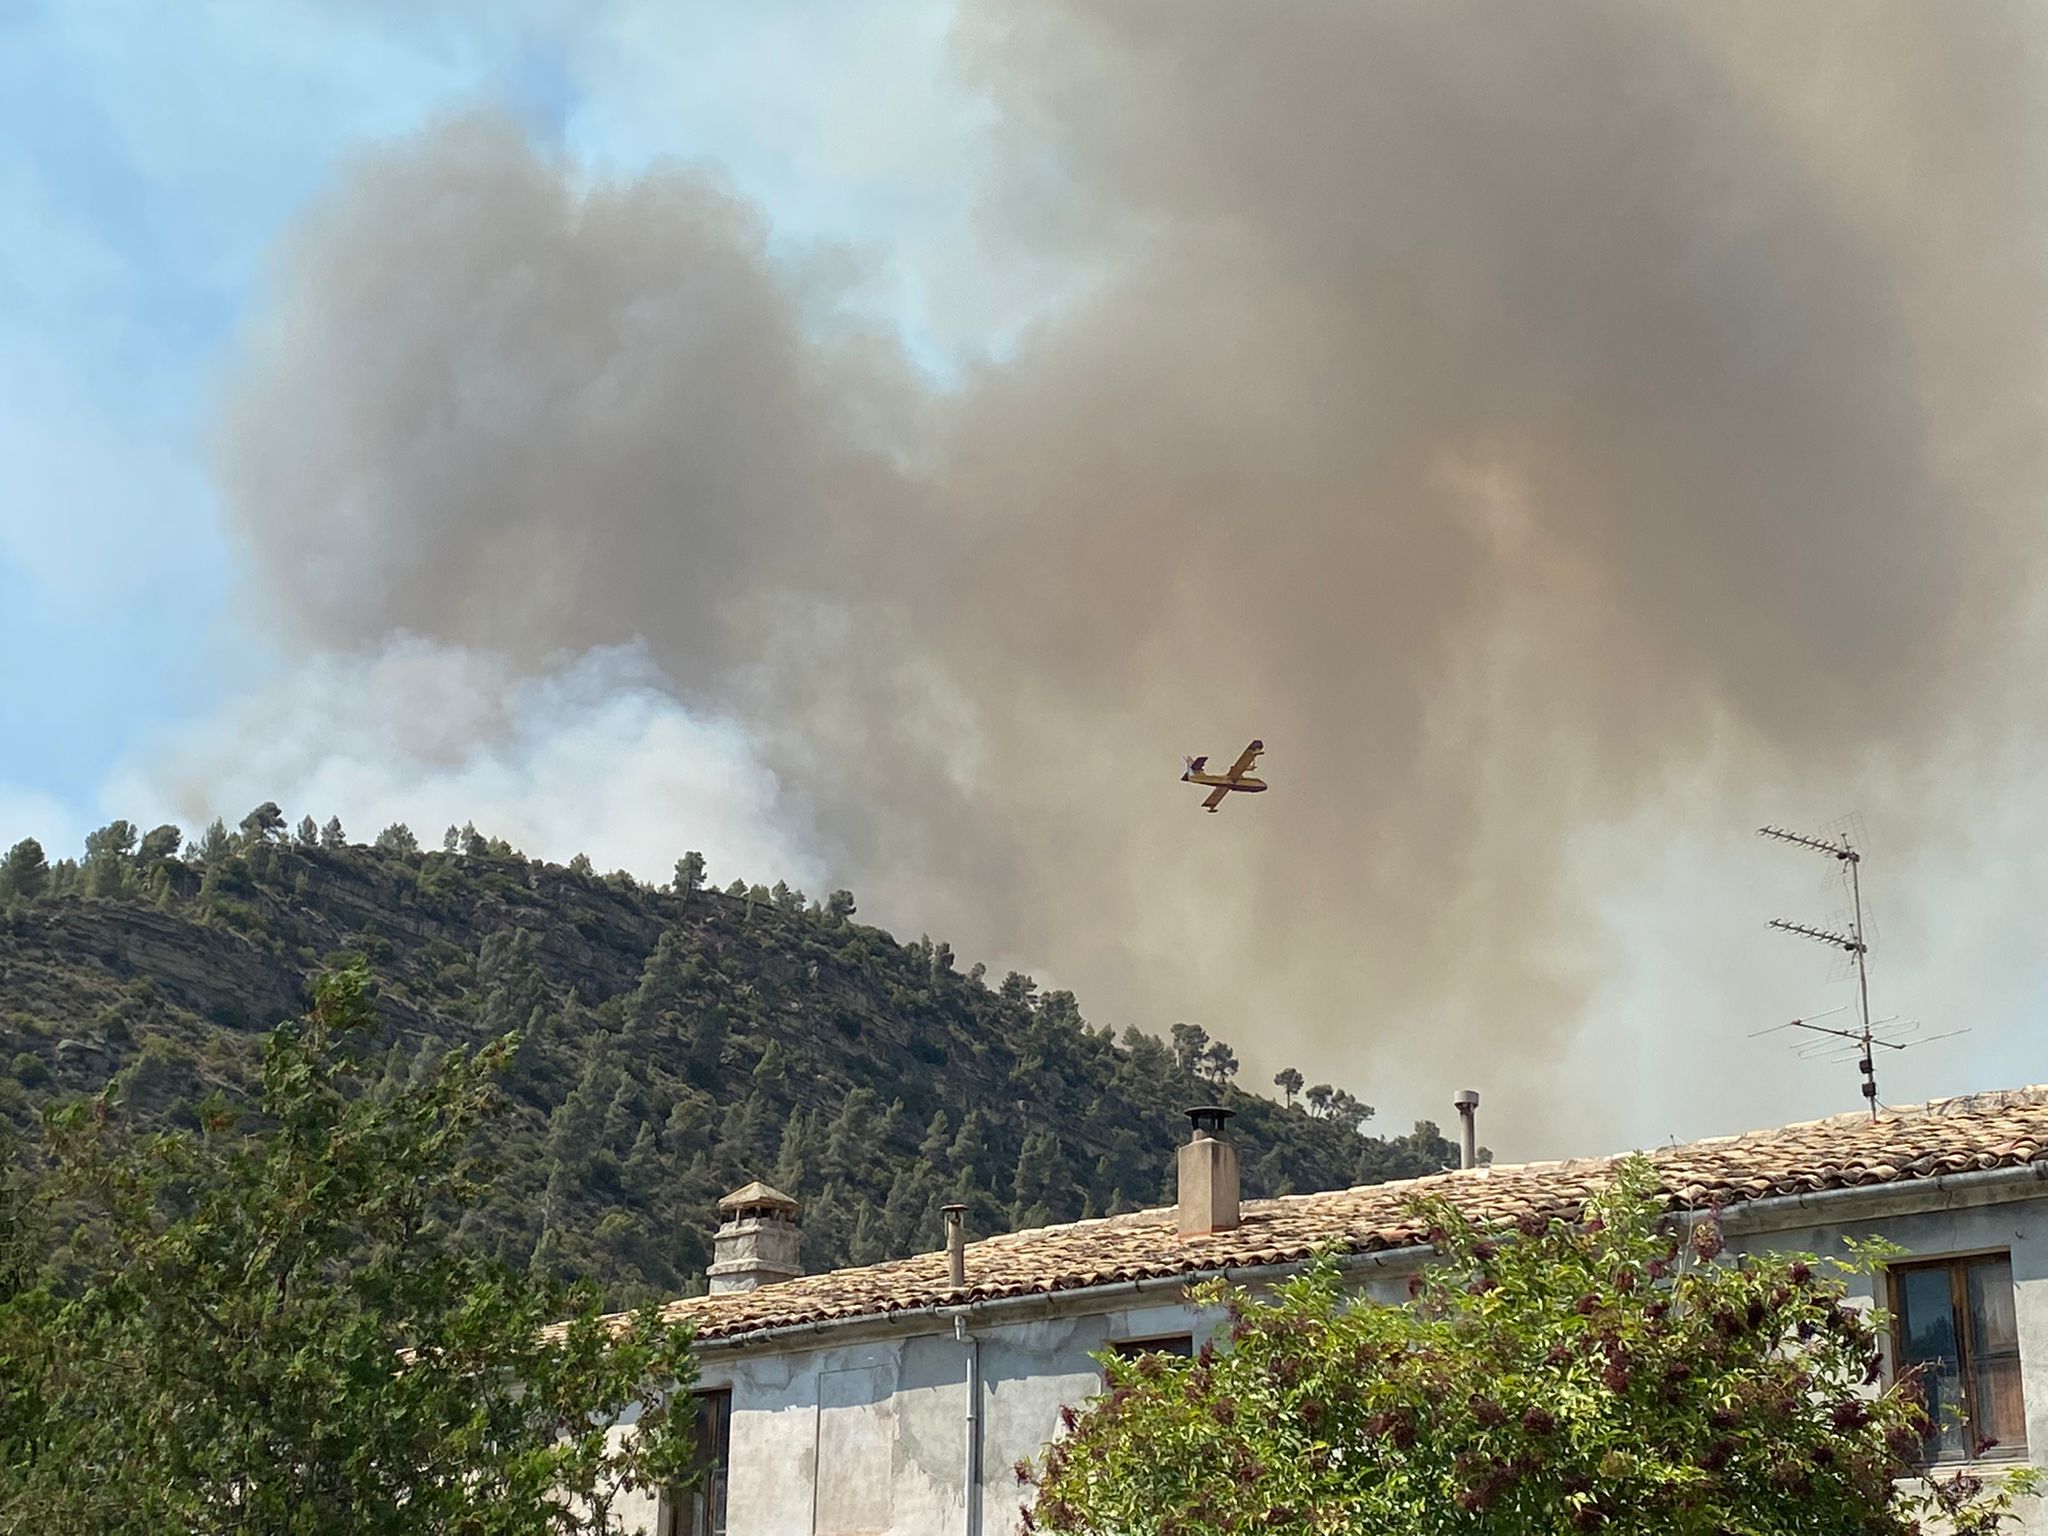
x=676, y=1512
x=1957, y=1265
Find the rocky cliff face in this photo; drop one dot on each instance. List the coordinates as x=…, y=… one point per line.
x=673, y=1046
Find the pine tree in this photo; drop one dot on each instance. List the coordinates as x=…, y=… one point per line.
x=265, y=824
x=308, y=835
x=24, y=872
x=850, y=1141
x=771, y=1072
x=644, y=1163
x=1218, y=1064
x=331, y=835
x=968, y=1156
x=938, y=1141
x=397, y=838
x=792, y=1161
x=215, y=845
x=158, y=844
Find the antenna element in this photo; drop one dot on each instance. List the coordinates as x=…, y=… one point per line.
x=1852, y=941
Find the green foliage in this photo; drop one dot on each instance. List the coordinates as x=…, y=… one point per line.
x=673, y=1045
x=264, y=1328
x=1547, y=1379
x=265, y=824
x=397, y=838
x=158, y=844
x=24, y=871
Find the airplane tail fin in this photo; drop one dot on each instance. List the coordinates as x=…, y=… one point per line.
x=1190, y=766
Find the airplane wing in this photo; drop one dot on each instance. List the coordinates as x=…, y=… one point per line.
x=1215, y=797
x=1243, y=765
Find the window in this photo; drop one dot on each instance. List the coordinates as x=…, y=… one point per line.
x=701, y=1511
x=1180, y=1344
x=1953, y=1322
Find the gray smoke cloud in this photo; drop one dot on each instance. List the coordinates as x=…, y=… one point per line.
x=1510, y=415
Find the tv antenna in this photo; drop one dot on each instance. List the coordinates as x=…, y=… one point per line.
x=1866, y=1036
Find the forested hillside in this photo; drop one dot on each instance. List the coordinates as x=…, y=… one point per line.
x=675, y=1042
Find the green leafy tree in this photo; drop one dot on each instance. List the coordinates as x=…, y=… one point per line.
x=839, y=907
x=307, y=833
x=689, y=874
x=1189, y=1042
x=266, y=1330
x=265, y=824
x=474, y=844
x=215, y=845
x=159, y=844
x=25, y=870
x=112, y=844
x=581, y=865
x=1289, y=1080
x=451, y=840
x=397, y=838
x=108, y=853
x=1348, y=1111
x=1217, y=1064
x=1556, y=1378
x=331, y=835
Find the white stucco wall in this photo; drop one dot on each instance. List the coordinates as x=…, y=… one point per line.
x=841, y=1433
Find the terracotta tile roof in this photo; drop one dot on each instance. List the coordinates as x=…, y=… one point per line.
x=1948, y=1136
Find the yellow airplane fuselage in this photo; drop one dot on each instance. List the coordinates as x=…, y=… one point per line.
x=1217, y=781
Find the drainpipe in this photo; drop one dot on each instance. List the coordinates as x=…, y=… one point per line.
x=972, y=1472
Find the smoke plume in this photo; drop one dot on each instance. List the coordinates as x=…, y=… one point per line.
x=1531, y=423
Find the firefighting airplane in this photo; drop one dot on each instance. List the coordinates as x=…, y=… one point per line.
x=1223, y=783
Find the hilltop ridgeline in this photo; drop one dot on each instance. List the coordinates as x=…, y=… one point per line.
x=675, y=1043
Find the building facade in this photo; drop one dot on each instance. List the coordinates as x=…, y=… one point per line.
x=898, y=1397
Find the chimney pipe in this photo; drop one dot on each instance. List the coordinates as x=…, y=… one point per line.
x=1208, y=1175
x=1468, y=1106
x=956, y=1244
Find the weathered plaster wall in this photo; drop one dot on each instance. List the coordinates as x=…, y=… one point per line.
x=868, y=1435
x=2018, y=1227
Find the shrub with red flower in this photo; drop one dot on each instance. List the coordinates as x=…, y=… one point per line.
x=1593, y=1384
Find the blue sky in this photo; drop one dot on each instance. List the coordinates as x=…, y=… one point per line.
x=150, y=159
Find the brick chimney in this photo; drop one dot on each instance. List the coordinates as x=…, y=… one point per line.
x=1208, y=1175
x=756, y=1243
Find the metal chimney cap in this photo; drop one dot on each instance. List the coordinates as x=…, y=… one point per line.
x=1208, y=1119
x=952, y=1210
x=1468, y=1098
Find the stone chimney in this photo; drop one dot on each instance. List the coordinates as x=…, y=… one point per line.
x=756, y=1243
x=1208, y=1175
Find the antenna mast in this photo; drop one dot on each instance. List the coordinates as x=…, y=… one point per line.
x=1852, y=941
